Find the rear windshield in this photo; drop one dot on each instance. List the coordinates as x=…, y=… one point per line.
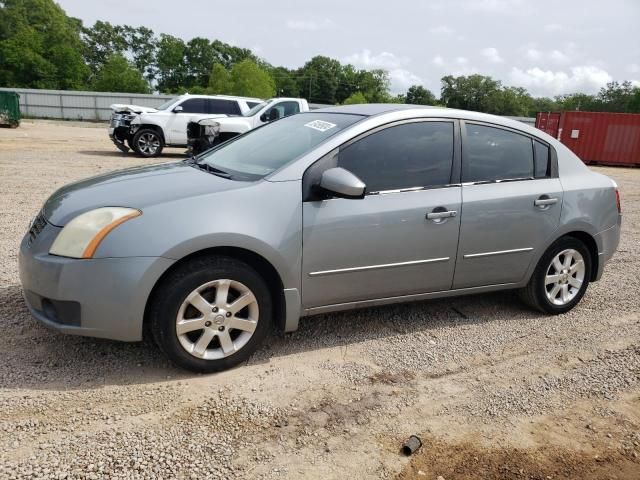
x=262, y=151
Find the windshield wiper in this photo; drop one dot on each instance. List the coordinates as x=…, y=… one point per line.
x=214, y=170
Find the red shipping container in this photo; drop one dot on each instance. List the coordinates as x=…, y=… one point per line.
x=596, y=137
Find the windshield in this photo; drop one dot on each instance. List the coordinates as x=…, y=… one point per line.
x=167, y=104
x=256, y=109
x=264, y=150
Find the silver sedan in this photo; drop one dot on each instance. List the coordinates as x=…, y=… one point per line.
x=333, y=209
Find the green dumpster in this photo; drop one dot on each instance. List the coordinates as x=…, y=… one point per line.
x=9, y=109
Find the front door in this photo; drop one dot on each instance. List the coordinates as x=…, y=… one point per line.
x=511, y=200
x=193, y=109
x=402, y=237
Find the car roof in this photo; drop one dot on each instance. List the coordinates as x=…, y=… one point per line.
x=400, y=111
x=369, y=109
x=225, y=97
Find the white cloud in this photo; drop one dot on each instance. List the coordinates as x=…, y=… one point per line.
x=492, y=54
x=365, y=59
x=533, y=54
x=552, y=27
x=442, y=30
x=401, y=78
x=461, y=60
x=310, y=25
x=558, y=57
x=495, y=6
x=633, y=68
x=585, y=78
x=438, y=61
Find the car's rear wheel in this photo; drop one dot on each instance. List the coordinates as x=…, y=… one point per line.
x=147, y=143
x=211, y=313
x=561, y=277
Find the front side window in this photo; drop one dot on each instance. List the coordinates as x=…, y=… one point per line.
x=493, y=154
x=167, y=104
x=252, y=104
x=285, y=109
x=263, y=150
x=194, y=105
x=404, y=156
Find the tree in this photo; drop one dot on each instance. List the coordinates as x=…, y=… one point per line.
x=286, y=85
x=418, y=95
x=118, y=75
x=220, y=80
x=318, y=79
x=250, y=80
x=616, y=97
x=475, y=92
x=172, y=71
x=199, y=57
x=40, y=46
x=137, y=44
x=577, y=101
x=354, y=98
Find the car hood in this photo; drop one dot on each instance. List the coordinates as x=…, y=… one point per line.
x=121, y=107
x=137, y=187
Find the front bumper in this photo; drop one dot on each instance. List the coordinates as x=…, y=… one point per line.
x=119, y=135
x=104, y=297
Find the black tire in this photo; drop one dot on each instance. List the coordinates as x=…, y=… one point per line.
x=149, y=137
x=535, y=293
x=173, y=291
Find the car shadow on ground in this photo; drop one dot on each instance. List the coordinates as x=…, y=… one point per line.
x=36, y=357
x=118, y=153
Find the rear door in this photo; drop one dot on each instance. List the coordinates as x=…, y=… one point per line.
x=512, y=199
x=402, y=237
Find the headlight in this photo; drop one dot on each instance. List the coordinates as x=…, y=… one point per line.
x=82, y=235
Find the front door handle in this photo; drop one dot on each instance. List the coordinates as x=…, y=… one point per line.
x=545, y=201
x=440, y=214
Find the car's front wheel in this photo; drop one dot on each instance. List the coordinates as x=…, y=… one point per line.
x=147, y=143
x=561, y=277
x=211, y=313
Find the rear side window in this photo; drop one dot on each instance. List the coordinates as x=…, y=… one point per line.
x=252, y=104
x=542, y=160
x=495, y=154
x=194, y=105
x=228, y=107
x=404, y=156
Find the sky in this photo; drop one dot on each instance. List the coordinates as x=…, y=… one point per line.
x=550, y=47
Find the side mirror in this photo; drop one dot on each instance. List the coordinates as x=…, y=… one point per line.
x=263, y=117
x=342, y=183
x=178, y=109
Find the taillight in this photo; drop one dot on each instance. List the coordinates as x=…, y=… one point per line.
x=618, y=201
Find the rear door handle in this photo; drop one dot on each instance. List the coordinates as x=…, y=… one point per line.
x=441, y=214
x=545, y=201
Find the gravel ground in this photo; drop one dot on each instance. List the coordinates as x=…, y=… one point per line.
x=558, y=396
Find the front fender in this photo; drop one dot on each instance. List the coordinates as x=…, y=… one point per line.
x=263, y=217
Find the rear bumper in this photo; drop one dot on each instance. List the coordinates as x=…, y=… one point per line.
x=93, y=297
x=607, y=241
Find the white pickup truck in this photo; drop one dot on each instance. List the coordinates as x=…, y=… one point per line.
x=207, y=132
x=148, y=130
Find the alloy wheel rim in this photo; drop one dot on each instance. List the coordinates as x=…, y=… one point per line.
x=564, y=277
x=148, y=143
x=217, y=319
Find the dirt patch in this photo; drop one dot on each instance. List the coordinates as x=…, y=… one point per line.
x=468, y=461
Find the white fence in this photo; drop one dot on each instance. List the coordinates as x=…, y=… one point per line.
x=75, y=105
x=72, y=105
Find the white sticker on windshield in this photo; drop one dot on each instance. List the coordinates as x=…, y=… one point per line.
x=320, y=125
